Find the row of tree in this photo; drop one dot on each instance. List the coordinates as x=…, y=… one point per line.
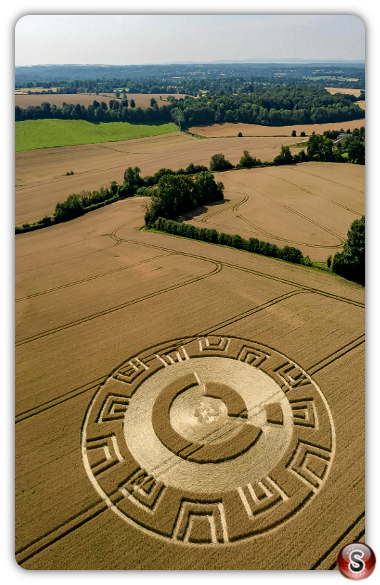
x=178, y=194
x=318, y=148
x=274, y=106
x=288, y=253
x=175, y=192
x=196, y=192
x=116, y=111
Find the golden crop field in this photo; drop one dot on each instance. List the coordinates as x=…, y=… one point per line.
x=184, y=405
x=310, y=205
x=142, y=100
x=345, y=90
x=229, y=129
x=41, y=179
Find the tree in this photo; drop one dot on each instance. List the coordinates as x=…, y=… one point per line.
x=132, y=181
x=99, y=114
x=291, y=254
x=152, y=102
x=69, y=209
x=132, y=103
x=240, y=135
x=356, y=151
x=303, y=133
x=294, y=133
x=237, y=241
x=219, y=162
x=247, y=161
x=350, y=263
x=285, y=157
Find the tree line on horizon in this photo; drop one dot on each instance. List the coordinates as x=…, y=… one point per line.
x=212, y=79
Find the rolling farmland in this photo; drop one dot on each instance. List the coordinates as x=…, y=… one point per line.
x=41, y=179
x=190, y=294
x=111, y=324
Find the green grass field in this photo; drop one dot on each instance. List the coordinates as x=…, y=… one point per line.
x=33, y=134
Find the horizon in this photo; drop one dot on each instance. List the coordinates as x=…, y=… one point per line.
x=294, y=61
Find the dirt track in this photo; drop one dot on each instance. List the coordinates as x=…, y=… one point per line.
x=95, y=292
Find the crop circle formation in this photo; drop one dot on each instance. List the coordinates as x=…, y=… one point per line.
x=207, y=441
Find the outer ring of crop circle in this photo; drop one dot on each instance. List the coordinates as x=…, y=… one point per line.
x=178, y=342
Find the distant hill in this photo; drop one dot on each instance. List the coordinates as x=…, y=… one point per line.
x=56, y=73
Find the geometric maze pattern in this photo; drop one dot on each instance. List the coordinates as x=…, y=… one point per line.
x=304, y=413
x=143, y=489
x=201, y=523
x=103, y=453
x=192, y=517
x=261, y=496
x=310, y=463
x=113, y=408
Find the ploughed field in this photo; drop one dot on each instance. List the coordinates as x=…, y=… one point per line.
x=184, y=405
x=41, y=179
x=310, y=205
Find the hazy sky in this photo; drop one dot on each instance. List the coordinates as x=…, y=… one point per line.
x=128, y=40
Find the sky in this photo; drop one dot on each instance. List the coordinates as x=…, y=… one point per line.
x=151, y=39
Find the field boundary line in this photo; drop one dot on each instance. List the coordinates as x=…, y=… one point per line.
x=305, y=217
x=331, y=181
x=317, y=195
x=238, y=267
x=94, y=383
x=337, y=542
x=59, y=399
x=59, y=532
x=336, y=355
x=250, y=312
x=217, y=269
x=301, y=286
x=96, y=276
x=357, y=538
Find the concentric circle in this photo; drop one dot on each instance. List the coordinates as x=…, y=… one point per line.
x=208, y=441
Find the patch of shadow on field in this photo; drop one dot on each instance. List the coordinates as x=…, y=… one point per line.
x=200, y=211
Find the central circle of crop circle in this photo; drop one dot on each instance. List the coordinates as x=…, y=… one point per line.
x=195, y=416
x=191, y=441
